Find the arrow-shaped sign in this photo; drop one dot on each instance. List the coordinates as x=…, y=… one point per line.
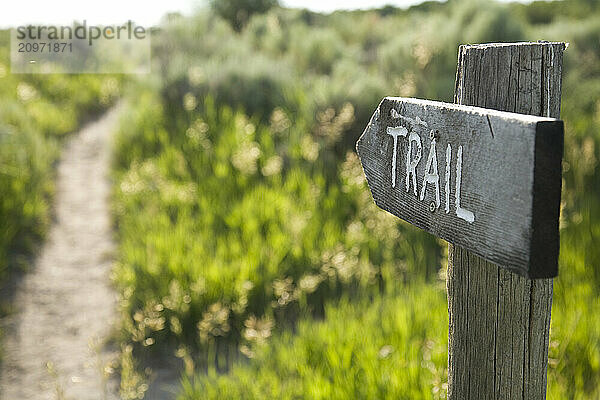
x=485, y=180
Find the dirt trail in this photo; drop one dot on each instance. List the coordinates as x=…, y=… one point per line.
x=53, y=347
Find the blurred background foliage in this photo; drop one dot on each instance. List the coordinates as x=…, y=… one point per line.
x=250, y=246
x=250, y=250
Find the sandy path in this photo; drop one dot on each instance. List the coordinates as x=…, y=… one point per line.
x=65, y=307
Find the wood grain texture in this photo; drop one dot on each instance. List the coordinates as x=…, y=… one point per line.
x=506, y=165
x=499, y=321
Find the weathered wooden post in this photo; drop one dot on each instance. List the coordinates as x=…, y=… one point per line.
x=500, y=321
x=489, y=183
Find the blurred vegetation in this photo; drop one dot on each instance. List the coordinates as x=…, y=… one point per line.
x=356, y=353
x=238, y=12
x=249, y=244
x=250, y=247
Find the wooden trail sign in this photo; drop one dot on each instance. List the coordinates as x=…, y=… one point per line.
x=499, y=321
x=485, y=180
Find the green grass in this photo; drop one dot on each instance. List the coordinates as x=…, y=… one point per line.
x=390, y=347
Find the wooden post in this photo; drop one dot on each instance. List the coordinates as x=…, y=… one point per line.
x=500, y=321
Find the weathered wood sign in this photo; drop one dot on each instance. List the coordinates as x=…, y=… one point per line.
x=485, y=180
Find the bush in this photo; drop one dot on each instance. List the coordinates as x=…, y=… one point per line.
x=238, y=12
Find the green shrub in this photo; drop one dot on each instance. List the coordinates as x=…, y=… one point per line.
x=238, y=12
